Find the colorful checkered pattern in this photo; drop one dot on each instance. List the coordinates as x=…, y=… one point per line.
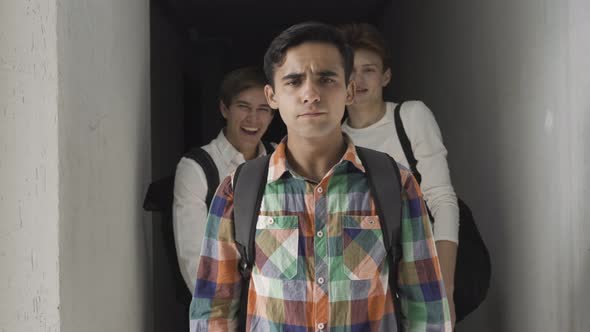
x=321, y=264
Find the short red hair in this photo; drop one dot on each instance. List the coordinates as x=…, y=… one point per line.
x=366, y=36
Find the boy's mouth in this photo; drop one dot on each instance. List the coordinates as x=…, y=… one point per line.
x=250, y=130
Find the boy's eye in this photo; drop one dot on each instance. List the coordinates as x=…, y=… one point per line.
x=327, y=80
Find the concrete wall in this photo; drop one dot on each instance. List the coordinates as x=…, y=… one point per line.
x=508, y=83
x=29, y=266
x=104, y=164
x=74, y=166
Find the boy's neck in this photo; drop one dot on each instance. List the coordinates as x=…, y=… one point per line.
x=364, y=115
x=313, y=158
x=249, y=152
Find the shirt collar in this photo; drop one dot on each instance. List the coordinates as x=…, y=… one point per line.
x=388, y=117
x=229, y=153
x=279, y=165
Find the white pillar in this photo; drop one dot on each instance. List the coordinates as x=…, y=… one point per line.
x=74, y=165
x=105, y=162
x=29, y=216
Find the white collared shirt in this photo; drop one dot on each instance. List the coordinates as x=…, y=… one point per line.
x=189, y=210
x=426, y=140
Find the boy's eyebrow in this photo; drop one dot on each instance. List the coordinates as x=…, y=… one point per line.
x=327, y=73
x=242, y=102
x=292, y=76
x=323, y=73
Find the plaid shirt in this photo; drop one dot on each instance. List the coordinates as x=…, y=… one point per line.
x=320, y=261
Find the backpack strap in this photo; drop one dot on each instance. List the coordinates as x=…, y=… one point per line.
x=386, y=190
x=380, y=167
x=405, y=142
x=249, y=178
x=407, y=147
x=203, y=158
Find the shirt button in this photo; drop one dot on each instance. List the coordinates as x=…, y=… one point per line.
x=321, y=280
x=321, y=326
x=320, y=190
x=371, y=221
x=320, y=233
x=271, y=221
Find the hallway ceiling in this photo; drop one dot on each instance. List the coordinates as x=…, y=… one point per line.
x=233, y=13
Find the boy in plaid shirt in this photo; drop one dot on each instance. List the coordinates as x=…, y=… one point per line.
x=320, y=260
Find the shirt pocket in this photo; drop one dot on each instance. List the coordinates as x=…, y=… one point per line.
x=363, y=249
x=277, y=244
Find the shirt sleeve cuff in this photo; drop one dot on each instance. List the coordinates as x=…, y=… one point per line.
x=446, y=225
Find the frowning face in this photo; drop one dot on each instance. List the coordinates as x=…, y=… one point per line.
x=310, y=90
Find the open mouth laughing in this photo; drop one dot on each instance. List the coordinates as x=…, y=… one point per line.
x=250, y=131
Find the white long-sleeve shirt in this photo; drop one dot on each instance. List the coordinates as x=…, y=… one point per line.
x=189, y=210
x=428, y=148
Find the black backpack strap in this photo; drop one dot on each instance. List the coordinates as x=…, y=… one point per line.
x=268, y=147
x=386, y=190
x=203, y=158
x=405, y=142
x=380, y=167
x=249, y=178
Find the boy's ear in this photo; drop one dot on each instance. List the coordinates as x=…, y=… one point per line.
x=350, y=92
x=270, y=97
x=386, y=77
x=224, y=110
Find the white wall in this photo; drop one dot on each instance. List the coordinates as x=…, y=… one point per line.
x=104, y=164
x=508, y=82
x=29, y=266
x=74, y=165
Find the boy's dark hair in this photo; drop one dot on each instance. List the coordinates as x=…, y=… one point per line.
x=299, y=34
x=239, y=80
x=366, y=36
